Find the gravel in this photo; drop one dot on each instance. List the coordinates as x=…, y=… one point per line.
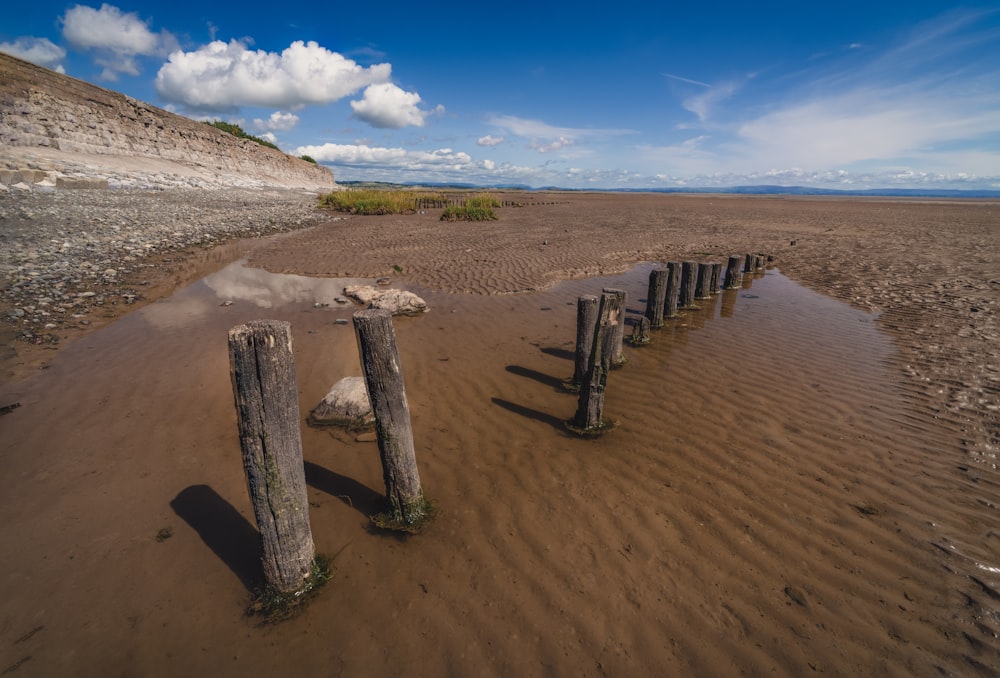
x=66, y=253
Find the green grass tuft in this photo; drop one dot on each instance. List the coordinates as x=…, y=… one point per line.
x=274, y=606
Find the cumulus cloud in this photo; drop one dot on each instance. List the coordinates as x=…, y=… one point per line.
x=41, y=51
x=489, y=140
x=555, y=145
x=116, y=37
x=278, y=121
x=223, y=76
x=386, y=106
x=397, y=158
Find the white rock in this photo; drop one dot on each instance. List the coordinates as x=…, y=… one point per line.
x=346, y=404
x=397, y=302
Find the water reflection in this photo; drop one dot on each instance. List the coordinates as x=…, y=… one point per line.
x=240, y=285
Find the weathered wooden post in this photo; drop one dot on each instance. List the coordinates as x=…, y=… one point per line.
x=656, y=296
x=586, y=323
x=590, y=408
x=617, y=352
x=748, y=265
x=689, y=274
x=640, y=332
x=715, y=284
x=262, y=370
x=406, y=508
x=734, y=274
x=673, y=289
x=703, y=281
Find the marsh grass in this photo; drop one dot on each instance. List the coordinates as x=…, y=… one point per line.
x=373, y=201
x=479, y=207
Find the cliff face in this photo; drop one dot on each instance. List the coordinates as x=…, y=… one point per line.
x=67, y=131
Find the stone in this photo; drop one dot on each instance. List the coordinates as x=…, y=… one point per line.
x=396, y=301
x=346, y=404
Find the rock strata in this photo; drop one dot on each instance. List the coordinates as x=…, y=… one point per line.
x=59, y=132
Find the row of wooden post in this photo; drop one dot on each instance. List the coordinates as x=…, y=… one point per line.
x=262, y=369
x=600, y=323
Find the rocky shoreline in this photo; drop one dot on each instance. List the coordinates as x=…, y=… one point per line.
x=67, y=254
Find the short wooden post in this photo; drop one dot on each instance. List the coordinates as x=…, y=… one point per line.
x=673, y=289
x=715, y=284
x=640, y=332
x=586, y=322
x=734, y=274
x=406, y=509
x=590, y=408
x=689, y=275
x=617, y=352
x=748, y=263
x=703, y=282
x=262, y=370
x=760, y=262
x=656, y=296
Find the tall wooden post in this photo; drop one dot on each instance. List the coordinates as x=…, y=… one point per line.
x=590, y=408
x=715, y=284
x=673, y=289
x=689, y=274
x=406, y=508
x=703, y=283
x=586, y=323
x=656, y=296
x=617, y=352
x=734, y=273
x=262, y=370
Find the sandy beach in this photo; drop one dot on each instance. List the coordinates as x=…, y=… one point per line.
x=802, y=477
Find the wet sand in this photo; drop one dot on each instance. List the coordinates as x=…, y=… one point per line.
x=802, y=477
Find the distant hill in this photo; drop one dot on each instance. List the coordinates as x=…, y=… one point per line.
x=67, y=131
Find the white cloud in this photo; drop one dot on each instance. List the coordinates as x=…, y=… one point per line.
x=556, y=145
x=116, y=37
x=41, y=51
x=864, y=125
x=386, y=106
x=221, y=76
x=395, y=158
x=489, y=140
x=278, y=121
x=547, y=138
x=703, y=104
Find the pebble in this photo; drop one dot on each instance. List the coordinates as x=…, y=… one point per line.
x=81, y=248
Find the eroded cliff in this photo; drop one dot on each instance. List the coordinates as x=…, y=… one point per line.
x=59, y=131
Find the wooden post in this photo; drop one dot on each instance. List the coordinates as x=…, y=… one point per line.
x=733, y=273
x=715, y=284
x=586, y=323
x=673, y=289
x=640, y=332
x=748, y=265
x=617, y=353
x=262, y=370
x=406, y=508
x=703, y=282
x=656, y=296
x=590, y=408
x=689, y=274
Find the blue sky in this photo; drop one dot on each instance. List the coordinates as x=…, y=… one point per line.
x=627, y=95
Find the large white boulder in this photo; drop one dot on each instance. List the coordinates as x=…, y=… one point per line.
x=346, y=404
x=397, y=302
